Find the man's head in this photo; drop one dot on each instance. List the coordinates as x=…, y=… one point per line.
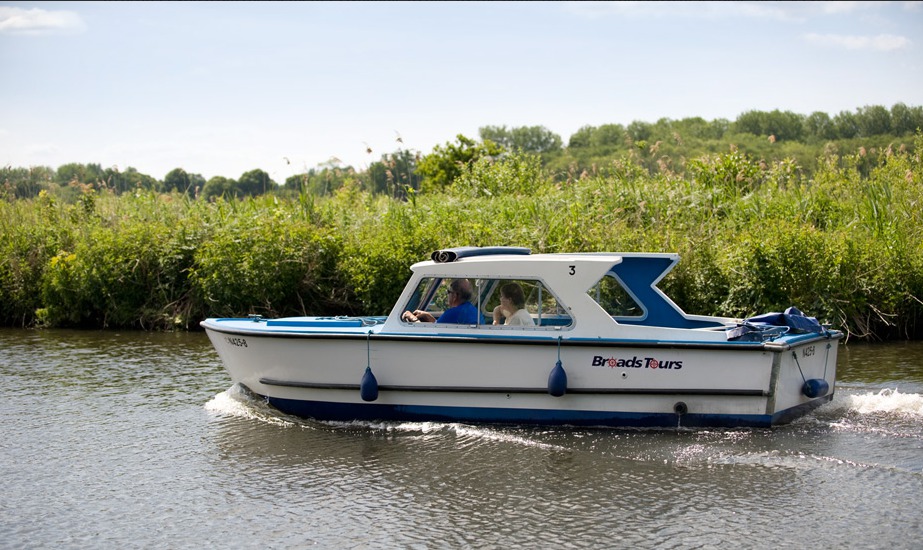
x=460, y=290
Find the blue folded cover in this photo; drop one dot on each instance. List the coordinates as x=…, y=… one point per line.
x=792, y=318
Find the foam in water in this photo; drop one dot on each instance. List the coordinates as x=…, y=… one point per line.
x=494, y=435
x=888, y=401
x=461, y=430
x=235, y=402
x=239, y=403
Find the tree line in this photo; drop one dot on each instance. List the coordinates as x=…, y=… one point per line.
x=662, y=147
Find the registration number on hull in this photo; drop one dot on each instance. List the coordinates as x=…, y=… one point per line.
x=234, y=341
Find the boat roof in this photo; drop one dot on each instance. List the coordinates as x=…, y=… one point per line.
x=442, y=260
x=571, y=275
x=467, y=253
x=640, y=270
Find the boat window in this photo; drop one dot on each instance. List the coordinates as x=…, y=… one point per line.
x=612, y=295
x=423, y=295
x=432, y=296
x=542, y=308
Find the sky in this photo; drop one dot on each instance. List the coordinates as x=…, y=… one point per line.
x=222, y=88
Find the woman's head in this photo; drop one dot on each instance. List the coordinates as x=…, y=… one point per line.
x=513, y=293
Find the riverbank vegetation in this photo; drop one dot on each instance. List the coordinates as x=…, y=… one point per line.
x=841, y=242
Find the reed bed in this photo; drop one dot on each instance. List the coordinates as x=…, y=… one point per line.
x=844, y=245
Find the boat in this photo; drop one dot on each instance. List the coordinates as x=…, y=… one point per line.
x=605, y=347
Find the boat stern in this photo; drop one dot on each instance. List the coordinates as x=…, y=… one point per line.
x=804, y=375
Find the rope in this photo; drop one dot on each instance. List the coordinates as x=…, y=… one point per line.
x=795, y=355
x=364, y=321
x=368, y=349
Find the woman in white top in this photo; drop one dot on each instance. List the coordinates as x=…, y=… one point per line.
x=512, y=307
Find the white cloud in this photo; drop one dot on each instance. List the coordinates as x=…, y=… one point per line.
x=696, y=10
x=882, y=42
x=39, y=21
x=791, y=12
x=848, y=7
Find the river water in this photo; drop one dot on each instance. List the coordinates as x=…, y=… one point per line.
x=137, y=440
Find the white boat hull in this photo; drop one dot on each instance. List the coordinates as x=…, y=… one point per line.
x=503, y=380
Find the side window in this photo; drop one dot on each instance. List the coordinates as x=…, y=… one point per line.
x=614, y=298
x=431, y=296
x=521, y=303
x=447, y=301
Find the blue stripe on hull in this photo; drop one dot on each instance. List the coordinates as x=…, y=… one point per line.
x=324, y=410
x=786, y=416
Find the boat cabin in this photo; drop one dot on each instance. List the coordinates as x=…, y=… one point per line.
x=556, y=291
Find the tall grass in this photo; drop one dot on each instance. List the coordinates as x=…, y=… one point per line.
x=844, y=246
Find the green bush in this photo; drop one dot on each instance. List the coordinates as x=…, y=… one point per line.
x=131, y=275
x=268, y=259
x=26, y=247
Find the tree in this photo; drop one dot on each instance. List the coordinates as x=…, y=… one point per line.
x=324, y=181
x=640, y=131
x=904, y=120
x=128, y=180
x=719, y=127
x=79, y=173
x=528, y=139
x=846, y=125
x=255, y=182
x=298, y=182
x=581, y=138
x=751, y=122
x=818, y=125
x=440, y=168
x=785, y=125
x=608, y=137
x=699, y=128
x=873, y=120
x=22, y=183
x=180, y=181
x=219, y=186
x=394, y=174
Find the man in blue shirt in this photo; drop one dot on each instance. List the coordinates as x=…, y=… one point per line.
x=461, y=311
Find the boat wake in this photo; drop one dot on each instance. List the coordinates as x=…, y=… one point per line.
x=464, y=432
x=886, y=413
x=236, y=401
x=239, y=402
x=504, y=437
x=888, y=402
x=887, y=410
